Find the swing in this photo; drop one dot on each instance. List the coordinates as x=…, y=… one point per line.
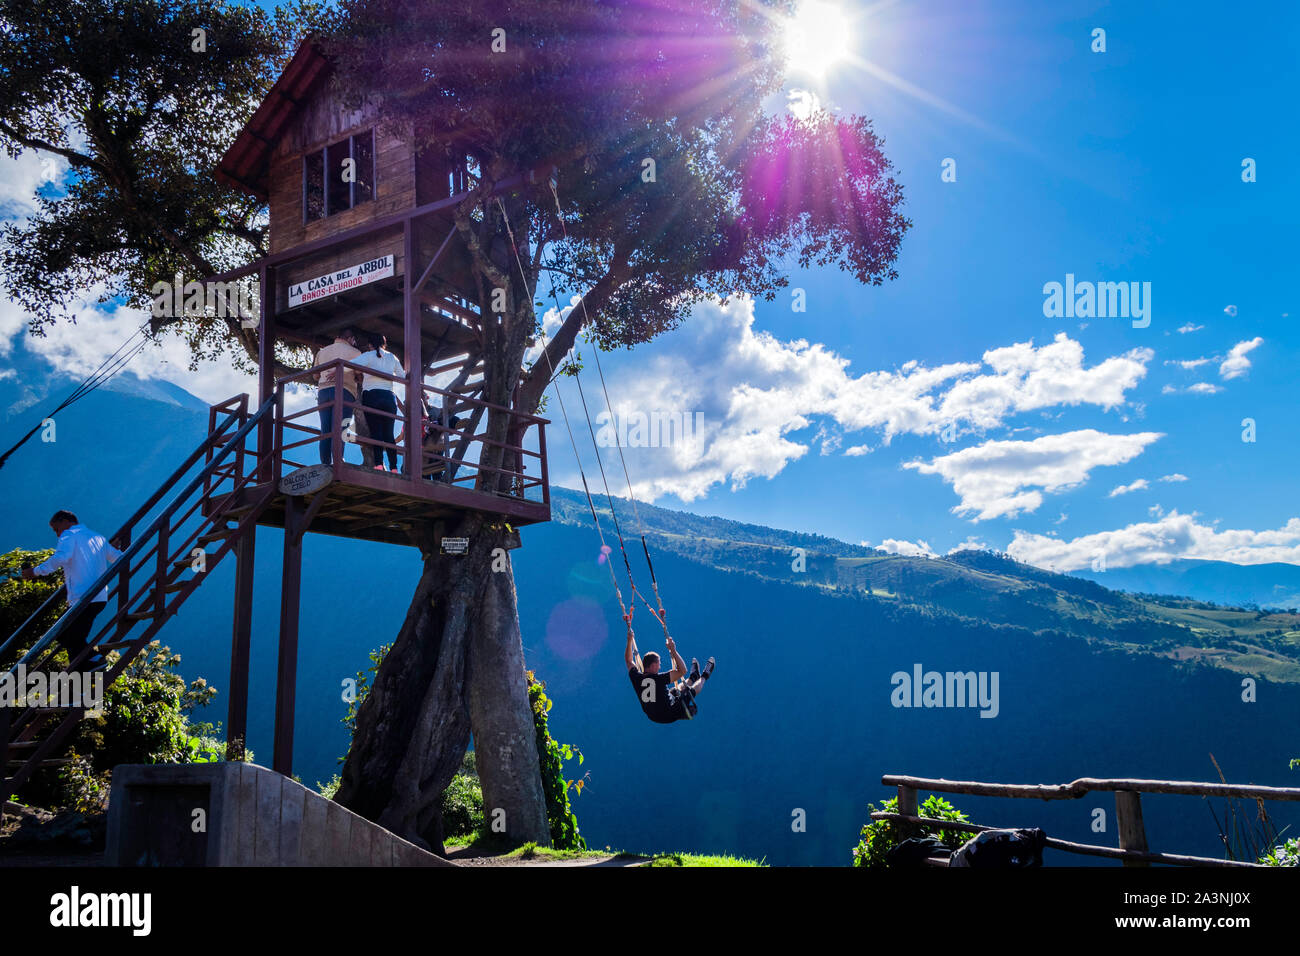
x=686, y=697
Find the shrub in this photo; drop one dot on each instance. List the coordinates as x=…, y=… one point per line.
x=564, y=825
x=881, y=836
x=1284, y=854
x=462, y=801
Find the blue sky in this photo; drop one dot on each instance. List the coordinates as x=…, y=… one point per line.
x=1122, y=166
x=1115, y=166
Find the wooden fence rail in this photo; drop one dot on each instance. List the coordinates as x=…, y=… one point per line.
x=1132, y=850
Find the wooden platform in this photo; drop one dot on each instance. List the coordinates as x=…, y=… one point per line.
x=379, y=506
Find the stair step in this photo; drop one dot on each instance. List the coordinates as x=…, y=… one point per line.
x=114, y=646
x=218, y=534
x=55, y=762
x=141, y=615
x=179, y=585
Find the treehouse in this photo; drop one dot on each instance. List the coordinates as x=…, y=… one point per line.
x=362, y=237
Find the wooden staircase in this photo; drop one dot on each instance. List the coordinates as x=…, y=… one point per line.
x=146, y=586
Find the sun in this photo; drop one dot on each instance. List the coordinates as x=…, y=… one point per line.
x=816, y=38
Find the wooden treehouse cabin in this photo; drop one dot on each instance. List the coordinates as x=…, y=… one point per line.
x=376, y=251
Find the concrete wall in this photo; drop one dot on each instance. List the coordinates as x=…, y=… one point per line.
x=238, y=814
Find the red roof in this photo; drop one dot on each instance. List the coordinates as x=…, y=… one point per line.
x=246, y=164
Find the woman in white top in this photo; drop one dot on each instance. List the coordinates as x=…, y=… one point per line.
x=377, y=393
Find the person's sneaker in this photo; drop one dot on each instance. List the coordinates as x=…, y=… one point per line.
x=695, y=670
x=708, y=668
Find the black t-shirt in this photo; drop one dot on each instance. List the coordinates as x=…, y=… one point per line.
x=662, y=704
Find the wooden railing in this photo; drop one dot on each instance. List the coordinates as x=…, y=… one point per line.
x=455, y=439
x=1132, y=849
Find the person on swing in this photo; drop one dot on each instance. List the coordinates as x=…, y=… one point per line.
x=662, y=698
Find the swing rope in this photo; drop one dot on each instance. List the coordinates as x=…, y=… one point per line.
x=605, y=548
x=654, y=581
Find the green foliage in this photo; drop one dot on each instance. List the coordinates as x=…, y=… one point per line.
x=881, y=836
x=564, y=825
x=142, y=118
x=330, y=787
x=144, y=715
x=365, y=678
x=20, y=599
x=1284, y=854
x=462, y=801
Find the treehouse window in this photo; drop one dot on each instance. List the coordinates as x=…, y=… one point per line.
x=339, y=176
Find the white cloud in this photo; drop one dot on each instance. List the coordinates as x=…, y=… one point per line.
x=1189, y=363
x=1171, y=537
x=78, y=349
x=911, y=548
x=1005, y=478
x=1204, y=388
x=1230, y=310
x=1189, y=327
x=767, y=390
x=1176, y=476
x=22, y=177
x=1140, y=485
x=1236, y=364
x=970, y=544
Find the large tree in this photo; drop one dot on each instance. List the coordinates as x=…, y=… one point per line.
x=676, y=182
x=674, y=185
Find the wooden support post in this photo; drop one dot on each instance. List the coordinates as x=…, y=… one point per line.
x=907, y=802
x=414, y=454
x=265, y=369
x=287, y=671
x=237, y=714
x=1128, y=819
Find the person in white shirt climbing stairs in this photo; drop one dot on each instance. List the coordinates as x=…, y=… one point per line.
x=84, y=556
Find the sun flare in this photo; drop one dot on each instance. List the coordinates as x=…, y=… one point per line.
x=817, y=37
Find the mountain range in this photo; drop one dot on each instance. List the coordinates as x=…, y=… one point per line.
x=810, y=635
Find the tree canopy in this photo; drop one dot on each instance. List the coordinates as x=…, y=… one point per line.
x=677, y=179
x=141, y=107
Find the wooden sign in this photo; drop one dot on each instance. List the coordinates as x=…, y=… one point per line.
x=455, y=545
x=306, y=481
x=300, y=293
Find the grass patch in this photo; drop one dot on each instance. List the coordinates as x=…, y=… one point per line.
x=531, y=851
x=698, y=859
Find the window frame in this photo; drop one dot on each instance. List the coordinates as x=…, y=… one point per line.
x=323, y=153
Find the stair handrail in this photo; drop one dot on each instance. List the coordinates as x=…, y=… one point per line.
x=113, y=569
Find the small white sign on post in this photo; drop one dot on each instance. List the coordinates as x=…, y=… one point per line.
x=307, y=480
x=300, y=293
x=455, y=545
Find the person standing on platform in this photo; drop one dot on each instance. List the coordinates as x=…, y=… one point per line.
x=378, y=393
x=343, y=347
x=84, y=556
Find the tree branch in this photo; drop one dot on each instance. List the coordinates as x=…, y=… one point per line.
x=535, y=382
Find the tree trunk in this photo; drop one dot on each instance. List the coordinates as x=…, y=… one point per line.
x=458, y=654
x=505, y=737
x=458, y=663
